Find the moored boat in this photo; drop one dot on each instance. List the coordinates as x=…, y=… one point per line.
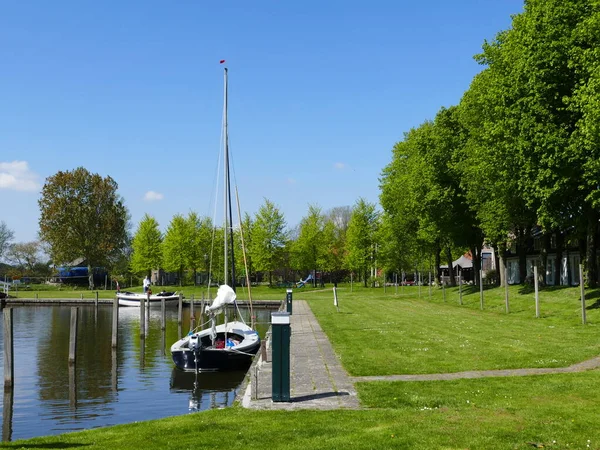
x=135, y=298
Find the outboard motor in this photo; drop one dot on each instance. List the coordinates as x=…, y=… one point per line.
x=194, y=343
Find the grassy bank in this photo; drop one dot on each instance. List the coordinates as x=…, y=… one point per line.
x=379, y=333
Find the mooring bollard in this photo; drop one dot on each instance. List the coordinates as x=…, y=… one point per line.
x=115, y=322
x=73, y=336
x=9, y=359
x=288, y=301
x=163, y=314
x=280, y=325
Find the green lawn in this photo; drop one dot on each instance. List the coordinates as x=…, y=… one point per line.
x=379, y=333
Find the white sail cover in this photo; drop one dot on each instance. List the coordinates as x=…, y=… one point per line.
x=225, y=295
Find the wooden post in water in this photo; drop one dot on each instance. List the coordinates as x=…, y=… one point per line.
x=96, y=300
x=143, y=316
x=582, y=290
x=115, y=323
x=163, y=314
x=73, y=337
x=537, y=294
x=180, y=309
x=9, y=357
x=192, y=314
x=460, y=287
x=7, y=414
x=506, y=291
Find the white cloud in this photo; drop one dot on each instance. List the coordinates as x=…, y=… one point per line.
x=152, y=196
x=340, y=166
x=17, y=176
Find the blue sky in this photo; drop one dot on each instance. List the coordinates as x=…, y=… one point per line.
x=319, y=93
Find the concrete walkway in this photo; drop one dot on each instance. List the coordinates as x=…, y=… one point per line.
x=317, y=379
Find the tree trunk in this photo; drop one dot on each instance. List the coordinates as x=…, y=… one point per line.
x=90, y=278
x=438, y=261
x=476, y=255
x=522, y=251
x=450, y=268
x=560, y=239
x=501, y=269
x=544, y=250
x=591, y=263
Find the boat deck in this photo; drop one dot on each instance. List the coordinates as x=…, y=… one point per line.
x=317, y=378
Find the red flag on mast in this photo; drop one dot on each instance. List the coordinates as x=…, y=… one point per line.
x=222, y=61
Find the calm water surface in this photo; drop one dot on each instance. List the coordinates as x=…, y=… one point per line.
x=135, y=382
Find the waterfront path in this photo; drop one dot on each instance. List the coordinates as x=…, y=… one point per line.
x=317, y=378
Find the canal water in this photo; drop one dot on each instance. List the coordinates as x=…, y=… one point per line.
x=135, y=382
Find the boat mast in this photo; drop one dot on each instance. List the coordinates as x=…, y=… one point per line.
x=228, y=219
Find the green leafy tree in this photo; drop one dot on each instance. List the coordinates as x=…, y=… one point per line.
x=268, y=238
x=361, y=238
x=146, y=247
x=82, y=216
x=309, y=250
x=200, y=234
x=176, y=246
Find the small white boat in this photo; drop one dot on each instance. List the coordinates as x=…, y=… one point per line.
x=228, y=346
x=135, y=298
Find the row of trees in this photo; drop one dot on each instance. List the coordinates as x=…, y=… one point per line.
x=341, y=239
x=520, y=150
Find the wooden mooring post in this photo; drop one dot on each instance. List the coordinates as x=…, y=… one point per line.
x=73, y=336
x=115, y=323
x=163, y=314
x=143, y=316
x=192, y=314
x=9, y=357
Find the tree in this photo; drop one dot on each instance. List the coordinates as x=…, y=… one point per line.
x=25, y=255
x=146, y=246
x=200, y=231
x=82, y=216
x=6, y=235
x=309, y=250
x=176, y=246
x=361, y=235
x=268, y=238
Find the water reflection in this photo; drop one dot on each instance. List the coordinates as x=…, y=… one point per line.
x=207, y=389
x=106, y=386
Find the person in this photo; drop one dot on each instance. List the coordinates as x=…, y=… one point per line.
x=146, y=284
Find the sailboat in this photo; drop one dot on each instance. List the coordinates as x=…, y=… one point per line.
x=230, y=345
